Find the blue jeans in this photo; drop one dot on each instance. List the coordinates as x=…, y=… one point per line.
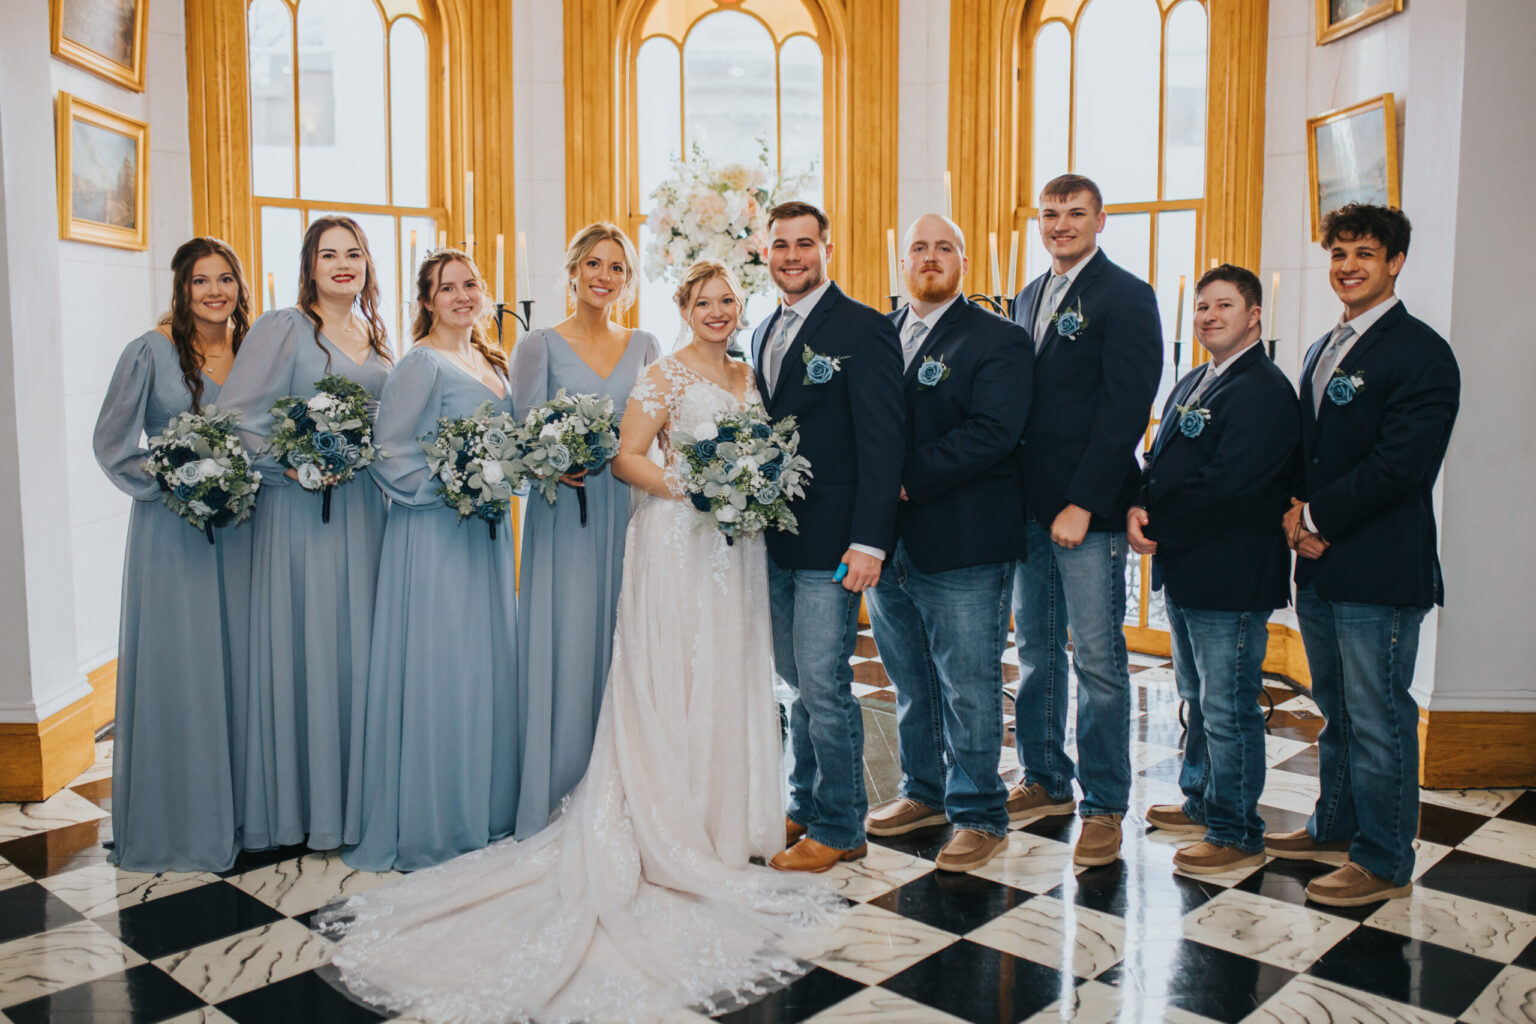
x=1082, y=588
x=1218, y=658
x=815, y=627
x=941, y=638
x=1361, y=657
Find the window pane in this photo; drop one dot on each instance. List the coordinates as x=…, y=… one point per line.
x=426, y=239
x=271, y=69
x=341, y=101
x=1127, y=239
x=1115, y=126
x=1184, y=140
x=408, y=112
x=1036, y=260
x=728, y=88
x=281, y=235
x=1053, y=99
x=379, y=237
x=1175, y=256
x=658, y=94
x=800, y=113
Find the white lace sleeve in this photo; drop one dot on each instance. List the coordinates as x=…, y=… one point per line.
x=653, y=390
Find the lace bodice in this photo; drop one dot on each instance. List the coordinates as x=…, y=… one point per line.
x=688, y=397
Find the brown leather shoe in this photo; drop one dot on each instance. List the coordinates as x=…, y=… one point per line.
x=1099, y=842
x=1171, y=818
x=900, y=816
x=1026, y=803
x=1353, y=886
x=809, y=855
x=793, y=831
x=1212, y=859
x=1299, y=845
x=968, y=849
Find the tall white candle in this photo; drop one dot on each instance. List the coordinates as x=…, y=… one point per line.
x=469, y=211
x=411, y=270
x=501, y=276
x=1273, y=304
x=524, y=287
x=442, y=239
x=949, y=204
x=997, y=275
x=890, y=252
x=1013, y=263
x=1178, y=329
x=271, y=290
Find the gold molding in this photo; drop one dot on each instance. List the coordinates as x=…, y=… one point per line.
x=218, y=125
x=1388, y=106
x=1327, y=33
x=1476, y=749
x=129, y=76
x=37, y=759
x=71, y=108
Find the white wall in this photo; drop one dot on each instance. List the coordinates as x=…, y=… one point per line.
x=538, y=113
x=923, y=111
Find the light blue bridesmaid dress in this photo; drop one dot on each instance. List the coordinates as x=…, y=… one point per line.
x=569, y=589
x=312, y=595
x=181, y=645
x=439, y=769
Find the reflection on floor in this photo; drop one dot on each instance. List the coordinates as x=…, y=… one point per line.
x=1028, y=937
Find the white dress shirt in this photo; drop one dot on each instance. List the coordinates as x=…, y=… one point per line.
x=1042, y=317
x=930, y=321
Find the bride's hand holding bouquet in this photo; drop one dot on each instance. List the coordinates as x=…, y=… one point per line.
x=741, y=471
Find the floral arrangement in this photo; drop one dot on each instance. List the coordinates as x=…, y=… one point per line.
x=202, y=469
x=819, y=368
x=1342, y=387
x=326, y=438
x=478, y=464
x=742, y=472
x=1191, y=419
x=568, y=433
x=1070, y=322
x=932, y=372
x=716, y=211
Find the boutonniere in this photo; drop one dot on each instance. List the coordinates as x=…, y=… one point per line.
x=932, y=373
x=819, y=368
x=1343, y=387
x=1070, y=322
x=1192, y=419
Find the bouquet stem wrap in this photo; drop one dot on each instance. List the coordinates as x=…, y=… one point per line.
x=566, y=434
x=326, y=438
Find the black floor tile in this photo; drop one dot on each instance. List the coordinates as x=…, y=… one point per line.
x=59, y=850
x=926, y=842
x=302, y=999
x=1527, y=959
x=1484, y=878
x=1195, y=977
x=1423, y=974
x=980, y=984
x=187, y=919
x=29, y=909
x=1445, y=825
x=250, y=860
x=139, y=995
x=803, y=998
x=956, y=903
x=1055, y=826
x=1523, y=809
x=1146, y=893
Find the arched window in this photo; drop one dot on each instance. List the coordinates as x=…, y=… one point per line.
x=339, y=103
x=729, y=79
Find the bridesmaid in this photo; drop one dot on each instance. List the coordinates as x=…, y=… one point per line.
x=569, y=586
x=439, y=773
x=182, y=640
x=313, y=582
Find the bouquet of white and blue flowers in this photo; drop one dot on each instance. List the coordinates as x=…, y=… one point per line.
x=567, y=434
x=743, y=471
x=327, y=437
x=478, y=464
x=202, y=469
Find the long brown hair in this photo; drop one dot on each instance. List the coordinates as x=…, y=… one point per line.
x=427, y=277
x=367, y=301
x=180, y=319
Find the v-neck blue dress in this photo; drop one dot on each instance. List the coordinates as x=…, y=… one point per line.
x=312, y=592
x=569, y=588
x=181, y=644
x=440, y=748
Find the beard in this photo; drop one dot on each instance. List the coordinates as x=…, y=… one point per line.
x=808, y=282
x=933, y=289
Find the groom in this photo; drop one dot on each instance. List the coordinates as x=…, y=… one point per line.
x=835, y=365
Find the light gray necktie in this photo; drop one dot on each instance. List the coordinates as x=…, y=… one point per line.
x=1058, y=286
x=913, y=334
x=1193, y=401
x=1326, y=363
x=778, y=347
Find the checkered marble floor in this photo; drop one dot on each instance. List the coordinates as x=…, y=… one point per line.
x=1028, y=937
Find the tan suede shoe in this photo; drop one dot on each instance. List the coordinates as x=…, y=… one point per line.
x=1353, y=886
x=968, y=849
x=1026, y=803
x=1213, y=859
x=1099, y=842
x=793, y=831
x=1171, y=818
x=809, y=855
x=1299, y=845
x=900, y=816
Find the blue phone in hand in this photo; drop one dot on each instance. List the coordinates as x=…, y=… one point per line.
x=842, y=570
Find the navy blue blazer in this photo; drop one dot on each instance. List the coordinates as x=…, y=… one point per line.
x=1214, y=501
x=1092, y=395
x=1368, y=465
x=964, y=486
x=850, y=429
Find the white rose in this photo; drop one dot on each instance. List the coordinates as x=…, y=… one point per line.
x=446, y=476
x=491, y=473
x=309, y=477
x=705, y=431
x=726, y=513
x=550, y=430
x=210, y=468
x=320, y=402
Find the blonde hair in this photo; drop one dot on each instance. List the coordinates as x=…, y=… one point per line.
x=707, y=270
x=427, y=278
x=586, y=240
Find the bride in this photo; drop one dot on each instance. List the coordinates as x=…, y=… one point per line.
x=640, y=896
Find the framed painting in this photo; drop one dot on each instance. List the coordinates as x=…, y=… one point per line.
x=1337, y=18
x=103, y=175
x=106, y=37
x=1352, y=158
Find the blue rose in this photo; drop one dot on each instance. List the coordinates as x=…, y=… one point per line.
x=559, y=458
x=699, y=502
x=767, y=494
x=333, y=462
x=819, y=370
x=1341, y=391
x=217, y=498
x=325, y=442
x=489, y=512
x=726, y=434
x=762, y=431
x=770, y=470
x=184, y=492
x=1069, y=322
x=1191, y=424
x=595, y=459
x=705, y=449
x=930, y=374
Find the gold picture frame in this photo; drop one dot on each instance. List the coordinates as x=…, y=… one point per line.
x=106, y=37
x=103, y=175
x=1336, y=18
x=1352, y=158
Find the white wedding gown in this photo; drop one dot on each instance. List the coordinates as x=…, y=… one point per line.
x=639, y=897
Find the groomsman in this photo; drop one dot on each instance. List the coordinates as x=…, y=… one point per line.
x=940, y=610
x=1098, y=357
x=1219, y=473
x=1379, y=396
x=835, y=365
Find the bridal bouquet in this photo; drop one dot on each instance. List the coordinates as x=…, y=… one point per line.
x=478, y=464
x=566, y=434
x=326, y=438
x=742, y=472
x=202, y=469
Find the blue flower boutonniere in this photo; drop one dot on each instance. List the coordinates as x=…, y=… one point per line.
x=1192, y=419
x=1070, y=322
x=820, y=368
x=1343, y=387
x=932, y=373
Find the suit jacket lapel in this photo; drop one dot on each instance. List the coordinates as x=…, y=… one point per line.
x=1084, y=278
x=1170, y=418
x=759, y=341
x=789, y=368
x=1304, y=385
x=1033, y=295
x=946, y=324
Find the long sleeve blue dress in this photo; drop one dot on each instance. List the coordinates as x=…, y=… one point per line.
x=181, y=644
x=440, y=749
